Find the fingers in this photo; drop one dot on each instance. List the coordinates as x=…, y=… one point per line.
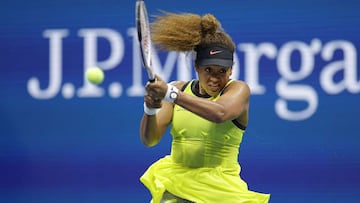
x=155, y=92
x=152, y=102
x=156, y=89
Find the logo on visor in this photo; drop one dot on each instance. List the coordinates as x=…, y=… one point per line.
x=212, y=52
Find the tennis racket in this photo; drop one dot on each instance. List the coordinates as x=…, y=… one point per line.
x=143, y=29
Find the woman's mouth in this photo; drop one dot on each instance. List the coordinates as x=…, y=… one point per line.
x=214, y=87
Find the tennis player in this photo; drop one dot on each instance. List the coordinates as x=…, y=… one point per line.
x=208, y=117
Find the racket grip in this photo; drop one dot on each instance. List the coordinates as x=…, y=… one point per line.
x=152, y=80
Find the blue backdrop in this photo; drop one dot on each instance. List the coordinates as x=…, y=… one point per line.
x=64, y=140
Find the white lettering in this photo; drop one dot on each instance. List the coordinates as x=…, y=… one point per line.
x=137, y=88
x=90, y=56
x=348, y=65
x=295, y=62
x=292, y=92
x=253, y=55
x=55, y=70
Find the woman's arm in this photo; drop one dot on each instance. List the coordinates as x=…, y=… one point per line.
x=232, y=104
x=152, y=127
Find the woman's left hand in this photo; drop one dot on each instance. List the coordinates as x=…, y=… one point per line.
x=156, y=90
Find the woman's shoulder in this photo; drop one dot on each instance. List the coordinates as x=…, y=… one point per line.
x=239, y=85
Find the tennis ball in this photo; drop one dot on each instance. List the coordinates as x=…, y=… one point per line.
x=95, y=75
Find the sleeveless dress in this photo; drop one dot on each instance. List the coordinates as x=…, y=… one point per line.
x=203, y=165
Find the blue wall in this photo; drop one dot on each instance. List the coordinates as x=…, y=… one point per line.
x=64, y=140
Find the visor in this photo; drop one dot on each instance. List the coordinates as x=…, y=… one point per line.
x=214, y=55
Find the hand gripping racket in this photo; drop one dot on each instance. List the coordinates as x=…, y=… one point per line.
x=143, y=29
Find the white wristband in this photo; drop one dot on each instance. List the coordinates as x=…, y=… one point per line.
x=171, y=93
x=150, y=111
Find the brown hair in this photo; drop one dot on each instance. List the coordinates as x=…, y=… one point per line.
x=187, y=32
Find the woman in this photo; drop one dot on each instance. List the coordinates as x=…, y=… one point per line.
x=208, y=117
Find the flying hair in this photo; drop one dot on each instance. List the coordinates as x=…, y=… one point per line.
x=187, y=32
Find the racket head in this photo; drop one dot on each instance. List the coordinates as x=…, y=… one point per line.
x=143, y=30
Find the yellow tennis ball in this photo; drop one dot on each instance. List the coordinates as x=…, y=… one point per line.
x=95, y=75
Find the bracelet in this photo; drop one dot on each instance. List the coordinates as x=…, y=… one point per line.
x=171, y=93
x=150, y=111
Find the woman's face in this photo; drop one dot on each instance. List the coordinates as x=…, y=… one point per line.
x=212, y=78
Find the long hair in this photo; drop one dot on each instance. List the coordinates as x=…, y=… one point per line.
x=185, y=32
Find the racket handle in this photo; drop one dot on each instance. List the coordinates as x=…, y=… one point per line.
x=152, y=80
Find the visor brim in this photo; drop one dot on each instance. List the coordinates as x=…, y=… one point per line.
x=218, y=62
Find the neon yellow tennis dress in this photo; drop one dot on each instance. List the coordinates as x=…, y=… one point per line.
x=203, y=165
